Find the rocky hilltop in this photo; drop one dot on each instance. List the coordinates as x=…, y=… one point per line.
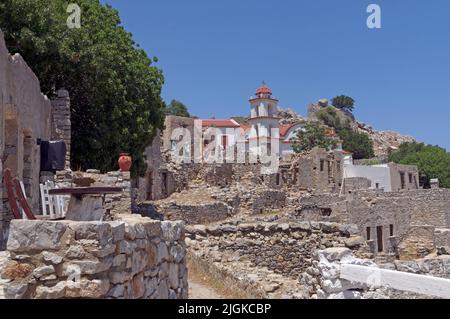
x=383, y=141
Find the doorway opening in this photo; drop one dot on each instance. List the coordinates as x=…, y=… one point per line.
x=380, y=238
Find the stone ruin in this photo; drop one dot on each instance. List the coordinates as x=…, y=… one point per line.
x=264, y=235
x=123, y=256
x=282, y=235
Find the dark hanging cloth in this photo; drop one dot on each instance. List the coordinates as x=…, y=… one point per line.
x=53, y=155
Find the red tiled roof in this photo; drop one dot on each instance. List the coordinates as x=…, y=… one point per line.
x=220, y=123
x=263, y=90
x=284, y=129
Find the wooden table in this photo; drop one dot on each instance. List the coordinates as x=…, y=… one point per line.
x=86, y=203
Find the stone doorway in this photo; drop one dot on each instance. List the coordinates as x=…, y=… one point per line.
x=380, y=239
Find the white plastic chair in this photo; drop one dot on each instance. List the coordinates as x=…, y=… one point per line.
x=57, y=201
x=52, y=205
x=47, y=202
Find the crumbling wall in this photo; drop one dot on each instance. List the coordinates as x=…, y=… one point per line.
x=352, y=184
x=61, y=121
x=132, y=257
x=418, y=242
x=197, y=213
x=268, y=200
x=389, y=215
x=318, y=170
x=24, y=118
x=285, y=248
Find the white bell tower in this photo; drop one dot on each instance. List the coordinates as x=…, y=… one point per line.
x=263, y=115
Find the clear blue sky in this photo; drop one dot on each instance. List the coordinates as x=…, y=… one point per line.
x=215, y=54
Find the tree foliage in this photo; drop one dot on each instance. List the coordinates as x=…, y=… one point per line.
x=115, y=92
x=432, y=161
x=358, y=143
x=177, y=108
x=313, y=135
x=343, y=102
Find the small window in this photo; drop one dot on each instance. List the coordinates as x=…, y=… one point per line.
x=322, y=165
x=391, y=230
x=410, y=178
x=278, y=179
x=377, y=185
x=368, y=233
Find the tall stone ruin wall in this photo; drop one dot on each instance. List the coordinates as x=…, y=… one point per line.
x=24, y=118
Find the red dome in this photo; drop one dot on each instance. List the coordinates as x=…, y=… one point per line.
x=263, y=90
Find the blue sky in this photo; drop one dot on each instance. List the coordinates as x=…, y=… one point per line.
x=215, y=54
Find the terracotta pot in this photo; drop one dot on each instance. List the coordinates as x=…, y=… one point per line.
x=125, y=162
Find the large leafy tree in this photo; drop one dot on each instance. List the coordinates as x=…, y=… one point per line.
x=115, y=91
x=432, y=161
x=177, y=108
x=358, y=143
x=313, y=135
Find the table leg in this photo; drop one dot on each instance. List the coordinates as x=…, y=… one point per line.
x=85, y=208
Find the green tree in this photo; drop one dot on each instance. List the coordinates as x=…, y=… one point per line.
x=313, y=135
x=343, y=102
x=177, y=108
x=432, y=161
x=358, y=143
x=115, y=91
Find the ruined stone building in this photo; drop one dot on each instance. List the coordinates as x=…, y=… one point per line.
x=26, y=118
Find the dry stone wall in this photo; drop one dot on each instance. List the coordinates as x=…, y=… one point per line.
x=197, y=213
x=284, y=248
x=408, y=217
x=132, y=257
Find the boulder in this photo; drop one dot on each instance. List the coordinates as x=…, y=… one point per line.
x=26, y=235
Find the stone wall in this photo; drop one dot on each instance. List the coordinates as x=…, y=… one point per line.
x=131, y=257
x=196, y=213
x=24, y=118
x=376, y=212
x=283, y=248
x=61, y=123
x=266, y=201
x=352, y=184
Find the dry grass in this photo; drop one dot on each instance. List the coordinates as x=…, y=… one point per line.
x=197, y=274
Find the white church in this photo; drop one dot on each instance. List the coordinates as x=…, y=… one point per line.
x=263, y=126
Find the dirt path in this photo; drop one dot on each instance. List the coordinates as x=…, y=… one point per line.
x=198, y=290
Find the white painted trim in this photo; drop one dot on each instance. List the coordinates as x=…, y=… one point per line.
x=421, y=284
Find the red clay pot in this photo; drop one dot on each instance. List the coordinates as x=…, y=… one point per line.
x=125, y=162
